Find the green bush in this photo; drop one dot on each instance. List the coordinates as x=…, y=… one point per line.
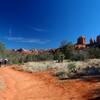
x=43, y=57
x=71, y=68
x=59, y=56
x=18, y=58
x=62, y=75
x=2, y=47
x=94, y=52
x=67, y=50
x=79, y=55
x=66, y=74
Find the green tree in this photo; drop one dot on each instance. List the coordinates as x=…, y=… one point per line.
x=63, y=43
x=79, y=55
x=2, y=47
x=59, y=56
x=94, y=52
x=67, y=50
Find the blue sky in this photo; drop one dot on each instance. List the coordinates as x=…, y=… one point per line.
x=45, y=23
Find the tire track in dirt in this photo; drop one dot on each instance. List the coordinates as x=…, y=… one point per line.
x=25, y=86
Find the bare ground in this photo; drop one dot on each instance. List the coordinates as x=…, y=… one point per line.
x=17, y=85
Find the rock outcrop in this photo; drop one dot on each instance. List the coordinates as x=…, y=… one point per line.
x=81, y=42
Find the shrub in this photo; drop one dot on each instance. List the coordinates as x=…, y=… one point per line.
x=29, y=58
x=2, y=47
x=43, y=57
x=79, y=55
x=94, y=52
x=67, y=50
x=69, y=72
x=59, y=56
x=34, y=66
x=71, y=68
x=62, y=75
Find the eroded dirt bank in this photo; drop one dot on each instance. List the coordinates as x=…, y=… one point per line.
x=17, y=85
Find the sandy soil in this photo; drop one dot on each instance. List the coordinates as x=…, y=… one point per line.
x=17, y=85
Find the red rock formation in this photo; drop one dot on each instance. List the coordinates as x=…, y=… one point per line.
x=81, y=40
x=34, y=51
x=79, y=46
x=92, y=42
x=98, y=39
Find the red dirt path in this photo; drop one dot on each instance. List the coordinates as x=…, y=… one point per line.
x=42, y=86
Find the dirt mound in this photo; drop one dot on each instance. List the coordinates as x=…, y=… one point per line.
x=17, y=85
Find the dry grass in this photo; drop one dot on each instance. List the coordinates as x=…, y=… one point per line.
x=59, y=68
x=34, y=66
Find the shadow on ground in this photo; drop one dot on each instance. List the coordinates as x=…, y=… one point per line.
x=91, y=74
x=95, y=94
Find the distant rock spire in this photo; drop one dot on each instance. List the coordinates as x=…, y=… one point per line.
x=81, y=40
x=92, y=41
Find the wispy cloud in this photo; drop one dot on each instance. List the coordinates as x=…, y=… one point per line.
x=37, y=29
x=27, y=40
x=36, y=41
x=14, y=38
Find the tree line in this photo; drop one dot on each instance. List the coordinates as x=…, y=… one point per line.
x=65, y=51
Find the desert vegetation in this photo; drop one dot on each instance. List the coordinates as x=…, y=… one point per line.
x=65, y=63
x=65, y=70
x=66, y=51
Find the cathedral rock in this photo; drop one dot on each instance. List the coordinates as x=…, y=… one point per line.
x=81, y=42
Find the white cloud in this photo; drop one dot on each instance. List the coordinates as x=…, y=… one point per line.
x=37, y=41
x=27, y=40
x=37, y=29
x=14, y=38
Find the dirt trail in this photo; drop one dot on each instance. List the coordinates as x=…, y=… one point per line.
x=18, y=85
